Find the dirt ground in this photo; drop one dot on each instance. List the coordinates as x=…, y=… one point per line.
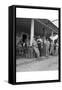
x=37, y=64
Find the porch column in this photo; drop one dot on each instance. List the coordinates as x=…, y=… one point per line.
x=52, y=34
x=32, y=32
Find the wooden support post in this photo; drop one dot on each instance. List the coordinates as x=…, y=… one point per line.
x=32, y=32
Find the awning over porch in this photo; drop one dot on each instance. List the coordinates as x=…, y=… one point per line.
x=41, y=26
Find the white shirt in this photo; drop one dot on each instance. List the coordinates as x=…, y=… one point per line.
x=39, y=40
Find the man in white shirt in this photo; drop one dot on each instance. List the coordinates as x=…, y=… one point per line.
x=35, y=47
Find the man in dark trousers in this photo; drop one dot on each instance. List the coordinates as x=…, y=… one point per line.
x=39, y=41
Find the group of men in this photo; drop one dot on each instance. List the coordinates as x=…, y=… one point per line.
x=50, y=47
x=39, y=45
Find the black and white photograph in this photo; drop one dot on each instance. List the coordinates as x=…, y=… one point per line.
x=37, y=44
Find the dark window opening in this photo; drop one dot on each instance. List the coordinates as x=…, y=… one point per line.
x=24, y=37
